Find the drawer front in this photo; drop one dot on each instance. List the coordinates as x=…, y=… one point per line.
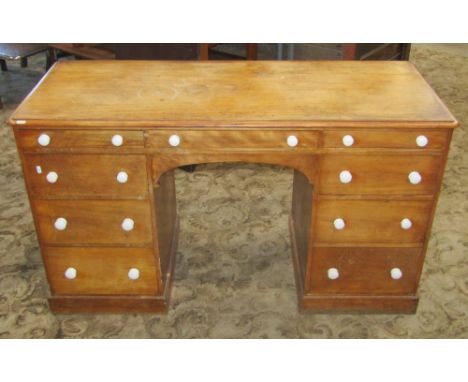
x=365, y=270
x=94, y=222
x=52, y=175
x=385, y=139
x=379, y=174
x=70, y=139
x=101, y=271
x=219, y=140
x=371, y=221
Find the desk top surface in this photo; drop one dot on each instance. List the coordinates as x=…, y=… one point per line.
x=220, y=93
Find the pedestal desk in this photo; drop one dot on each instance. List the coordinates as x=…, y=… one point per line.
x=99, y=141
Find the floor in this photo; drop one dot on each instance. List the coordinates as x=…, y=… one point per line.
x=234, y=275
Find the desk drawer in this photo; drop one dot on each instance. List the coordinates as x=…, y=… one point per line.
x=94, y=222
x=397, y=139
x=86, y=175
x=101, y=271
x=238, y=139
x=371, y=221
x=377, y=271
x=379, y=174
x=71, y=139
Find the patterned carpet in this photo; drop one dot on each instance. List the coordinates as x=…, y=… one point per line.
x=234, y=276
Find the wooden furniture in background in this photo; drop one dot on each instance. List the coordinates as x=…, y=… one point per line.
x=387, y=51
x=316, y=51
x=123, y=51
x=86, y=51
x=98, y=162
x=155, y=51
x=20, y=52
x=205, y=53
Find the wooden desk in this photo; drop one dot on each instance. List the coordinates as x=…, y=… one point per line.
x=98, y=142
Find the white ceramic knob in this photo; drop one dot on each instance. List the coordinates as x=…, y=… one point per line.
x=128, y=224
x=133, y=273
x=414, y=177
x=406, y=223
x=122, y=177
x=333, y=273
x=174, y=140
x=70, y=273
x=348, y=140
x=43, y=140
x=396, y=273
x=292, y=141
x=52, y=177
x=117, y=140
x=60, y=224
x=422, y=141
x=339, y=224
x=346, y=176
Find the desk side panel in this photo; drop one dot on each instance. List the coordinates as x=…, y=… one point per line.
x=166, y=218
x=301, y=213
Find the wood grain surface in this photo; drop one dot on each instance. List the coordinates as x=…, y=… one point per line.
x=379, y=174
x=69, y=139
x=371, y=221
x=384, y=139
x=240, y=139
x=201, y=93
x=365, y=270
x=101, y=271
x=87, y=176
x=94, y=222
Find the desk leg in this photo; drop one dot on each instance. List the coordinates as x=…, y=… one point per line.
x=51, y=57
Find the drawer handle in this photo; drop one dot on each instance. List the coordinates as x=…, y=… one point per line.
x=174, y=140
x=292, y=141
x=348, y=140
x=128, y=224
x=117, y=140
x=122, y=177
x=43, y=140
x=396, y=273
x=422, y=141
x=333, y=273
x=339, y=224
x=406, y=223
x=414, y=177
x=133, y=273
x=52, y=177
x=60, y=224
x=70, y=273
x=346, y=176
